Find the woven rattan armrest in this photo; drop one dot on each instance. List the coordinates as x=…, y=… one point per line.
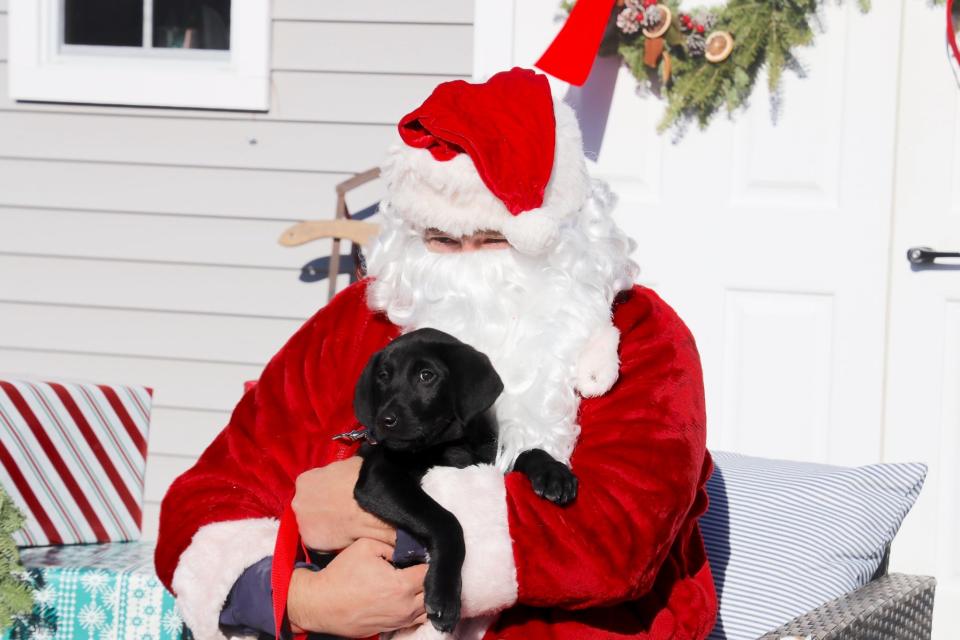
x=892, y=607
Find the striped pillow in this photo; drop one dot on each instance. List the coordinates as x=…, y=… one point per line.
x=72, y=457
x=785, y=537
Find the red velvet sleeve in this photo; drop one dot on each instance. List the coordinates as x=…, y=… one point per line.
x=641, y=465
x=279, y=429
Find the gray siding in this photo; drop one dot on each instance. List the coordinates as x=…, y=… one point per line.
x=139, y=245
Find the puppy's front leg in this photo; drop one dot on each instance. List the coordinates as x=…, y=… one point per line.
x=394, y=494
x=550, y=478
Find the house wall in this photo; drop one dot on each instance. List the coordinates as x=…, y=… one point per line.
x=139, y=245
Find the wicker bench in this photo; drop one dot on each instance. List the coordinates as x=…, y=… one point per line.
x=892, y=606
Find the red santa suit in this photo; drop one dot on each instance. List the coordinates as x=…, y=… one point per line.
x=624, y=560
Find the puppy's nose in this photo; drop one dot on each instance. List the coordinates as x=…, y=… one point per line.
x=388, y=420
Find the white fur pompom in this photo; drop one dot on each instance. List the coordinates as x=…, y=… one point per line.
x=599, y=364
x=532, y=232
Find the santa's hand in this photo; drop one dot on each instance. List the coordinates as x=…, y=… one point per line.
x=358, y=594
x=328, y=516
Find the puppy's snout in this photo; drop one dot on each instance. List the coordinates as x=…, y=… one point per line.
x=388, y=420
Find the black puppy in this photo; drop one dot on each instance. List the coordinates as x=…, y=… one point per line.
x=423, y=400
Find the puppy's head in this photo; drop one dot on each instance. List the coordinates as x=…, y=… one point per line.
x=423, y=389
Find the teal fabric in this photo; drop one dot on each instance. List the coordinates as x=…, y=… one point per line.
x=102, y=591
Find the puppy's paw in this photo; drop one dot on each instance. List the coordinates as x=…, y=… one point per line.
x=554, y=482
x=441, y=599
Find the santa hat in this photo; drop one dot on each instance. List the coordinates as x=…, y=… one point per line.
x=499, y=155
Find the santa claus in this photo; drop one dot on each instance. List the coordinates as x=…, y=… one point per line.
x=492, y=232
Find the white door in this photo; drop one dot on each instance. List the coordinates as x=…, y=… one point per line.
x=772, y=242
x=923, y=364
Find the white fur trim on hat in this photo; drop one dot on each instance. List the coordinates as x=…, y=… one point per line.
x=599, y=364
x=477, y=496
x=450, y=195
x=218, y=554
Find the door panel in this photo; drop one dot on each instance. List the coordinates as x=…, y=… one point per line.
x=923, y=366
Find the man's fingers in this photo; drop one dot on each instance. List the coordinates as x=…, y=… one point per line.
x=379, y=548
x=414, y=577
x=421, y=620
x=377, y=529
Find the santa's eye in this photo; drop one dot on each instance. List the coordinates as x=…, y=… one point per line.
x=445, y=240
x=426, y=375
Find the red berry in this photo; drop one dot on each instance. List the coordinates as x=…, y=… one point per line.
x=700, y=28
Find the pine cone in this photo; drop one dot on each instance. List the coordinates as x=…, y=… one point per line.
x=628, y=21
x=651, y=16
x=696, y=44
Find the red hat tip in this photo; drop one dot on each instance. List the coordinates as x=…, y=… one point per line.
x=506, y=125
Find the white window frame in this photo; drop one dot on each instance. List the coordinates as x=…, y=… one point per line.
x=42, y=69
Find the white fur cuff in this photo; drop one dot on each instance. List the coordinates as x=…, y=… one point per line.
x=218, y=554
x=477, y=496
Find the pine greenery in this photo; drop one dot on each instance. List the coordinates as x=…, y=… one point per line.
x=765, y=34
x=16, y=593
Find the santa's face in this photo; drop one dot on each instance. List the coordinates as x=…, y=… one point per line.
x=439, y=241
x=532, y=315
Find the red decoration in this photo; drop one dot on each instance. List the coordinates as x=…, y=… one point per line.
x=571, y=54
x=512, y=149
x=951, y=32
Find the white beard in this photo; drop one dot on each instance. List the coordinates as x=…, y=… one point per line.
x=532, y=316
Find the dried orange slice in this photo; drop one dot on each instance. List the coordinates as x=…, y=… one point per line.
x=718, y=47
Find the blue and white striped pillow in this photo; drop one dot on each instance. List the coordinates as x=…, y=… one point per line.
x=785, y=537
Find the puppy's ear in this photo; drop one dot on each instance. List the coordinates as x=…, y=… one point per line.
x=475, y=380
x=363, y=394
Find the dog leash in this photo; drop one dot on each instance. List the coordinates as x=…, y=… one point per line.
x=356, y=435
x=290, y=548
x=287, y=551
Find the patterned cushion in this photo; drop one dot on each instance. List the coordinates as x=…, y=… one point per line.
x=785, y=537
x=72, y=457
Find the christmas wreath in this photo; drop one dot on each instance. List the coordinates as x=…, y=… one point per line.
x=701, y=60
x=16, y=590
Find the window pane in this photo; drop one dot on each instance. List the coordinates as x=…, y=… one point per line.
x=191, y=24
x=117, y=23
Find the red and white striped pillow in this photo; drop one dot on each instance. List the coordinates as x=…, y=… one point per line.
x=72, y=457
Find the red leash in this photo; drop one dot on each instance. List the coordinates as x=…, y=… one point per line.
x=288, y=550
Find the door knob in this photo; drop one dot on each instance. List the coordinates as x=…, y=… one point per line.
x=926, y=255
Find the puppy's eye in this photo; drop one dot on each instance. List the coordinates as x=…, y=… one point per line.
x=383, y=374
x=426, y=375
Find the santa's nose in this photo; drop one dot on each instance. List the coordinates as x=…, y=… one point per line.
x=388, y=420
